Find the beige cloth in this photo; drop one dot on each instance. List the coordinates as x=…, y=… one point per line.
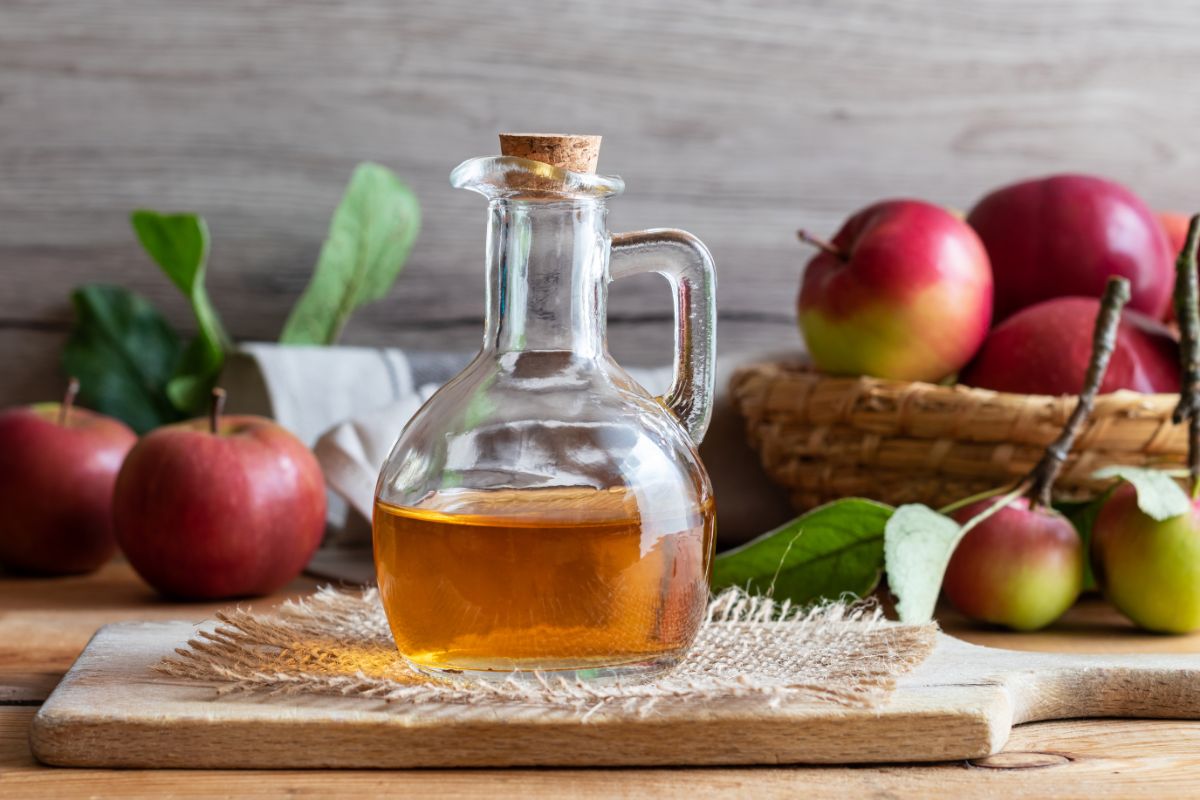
x=350, y=404
x=338, y=643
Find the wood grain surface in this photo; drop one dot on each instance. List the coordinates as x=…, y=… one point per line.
x=736, y=121
x=1088, y=759
x=113, y=710
x=45, y=622
x=1085, y=759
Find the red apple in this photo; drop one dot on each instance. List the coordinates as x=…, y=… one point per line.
x=1044, y=349
x=1021, y=567
x=902, y=291
x=1149, y=569
x=211, y=509
x=1065, y=235
x=1175, y=225
x=58, y=465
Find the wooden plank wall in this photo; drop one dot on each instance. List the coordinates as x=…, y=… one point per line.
x=739, y=121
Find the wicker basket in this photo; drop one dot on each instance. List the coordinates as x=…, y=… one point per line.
x=824, y=437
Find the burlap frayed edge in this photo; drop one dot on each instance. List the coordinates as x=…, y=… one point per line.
x=337, y=643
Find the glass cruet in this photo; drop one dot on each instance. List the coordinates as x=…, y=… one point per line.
x=542, y=512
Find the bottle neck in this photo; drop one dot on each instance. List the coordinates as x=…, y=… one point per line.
x=547, y=265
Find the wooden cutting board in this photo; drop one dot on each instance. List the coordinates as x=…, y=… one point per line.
x=113, y=710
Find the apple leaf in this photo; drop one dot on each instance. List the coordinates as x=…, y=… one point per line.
x=123, y=353
x=178, y=243
x=830, y=551
x=917, y=546
x=370, y=236
x=1158, y=495
x=1082, y=514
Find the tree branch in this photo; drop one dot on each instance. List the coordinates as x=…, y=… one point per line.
x=1104, y=339
x=1186, y=314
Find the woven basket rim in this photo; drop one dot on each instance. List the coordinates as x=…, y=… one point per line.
x=827, y=436
x=800, y=366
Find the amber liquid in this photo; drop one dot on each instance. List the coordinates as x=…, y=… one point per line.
x=551, y=579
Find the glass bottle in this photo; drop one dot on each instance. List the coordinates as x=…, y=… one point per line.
x=542, y=511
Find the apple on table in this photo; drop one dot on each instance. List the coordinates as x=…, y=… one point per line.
x=229, y=506
x=1149, y=569
x=58, y=465
x=1022, y=567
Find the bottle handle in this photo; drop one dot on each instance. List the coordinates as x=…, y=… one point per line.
x=688, y=266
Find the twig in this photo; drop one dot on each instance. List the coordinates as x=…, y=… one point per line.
x=214, y=411
x=1187, y=315
x=68, y=401
x=821, y=244
x=1104, y=339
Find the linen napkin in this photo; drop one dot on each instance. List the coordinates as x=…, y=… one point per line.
x=350, y=403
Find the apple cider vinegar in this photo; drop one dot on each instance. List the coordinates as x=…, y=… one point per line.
x=543, y=511
x=548, y=579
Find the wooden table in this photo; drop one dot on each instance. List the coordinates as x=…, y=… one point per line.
x=45, y=623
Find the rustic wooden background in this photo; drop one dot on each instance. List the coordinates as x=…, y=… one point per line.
x=738, y=121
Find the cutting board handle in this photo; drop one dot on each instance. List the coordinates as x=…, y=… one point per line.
x=1046, y=686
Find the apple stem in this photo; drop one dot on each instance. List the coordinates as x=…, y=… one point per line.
x=214, y=411
x=821, y=244
x=1187, y=313
x=68, y=400
x=1104, y=340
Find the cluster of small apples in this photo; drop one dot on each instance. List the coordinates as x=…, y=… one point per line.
x=1023, y=567
x=1006, y=299
x=206, y=509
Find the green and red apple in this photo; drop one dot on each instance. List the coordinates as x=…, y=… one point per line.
x=902, y=291
x=227, y=507
x=58, y=465
x=1022, y=567
x=1149, y=569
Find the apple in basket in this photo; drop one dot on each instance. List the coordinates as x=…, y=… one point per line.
x=1065, y=235
x=58, y=465
x=1044, y=349
x=902, y=291
x=220, y=507
x=1175, y=225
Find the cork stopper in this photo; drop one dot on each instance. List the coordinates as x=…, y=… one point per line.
x=574, y=152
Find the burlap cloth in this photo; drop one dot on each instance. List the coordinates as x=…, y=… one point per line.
x=338, y=643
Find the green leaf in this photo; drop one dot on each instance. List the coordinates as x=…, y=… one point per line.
x=123, y=353
x=1082, y=515
x=1158, y=495
x=178, y=243
x=823, y=554
x=370, y=236
x=918, y=543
